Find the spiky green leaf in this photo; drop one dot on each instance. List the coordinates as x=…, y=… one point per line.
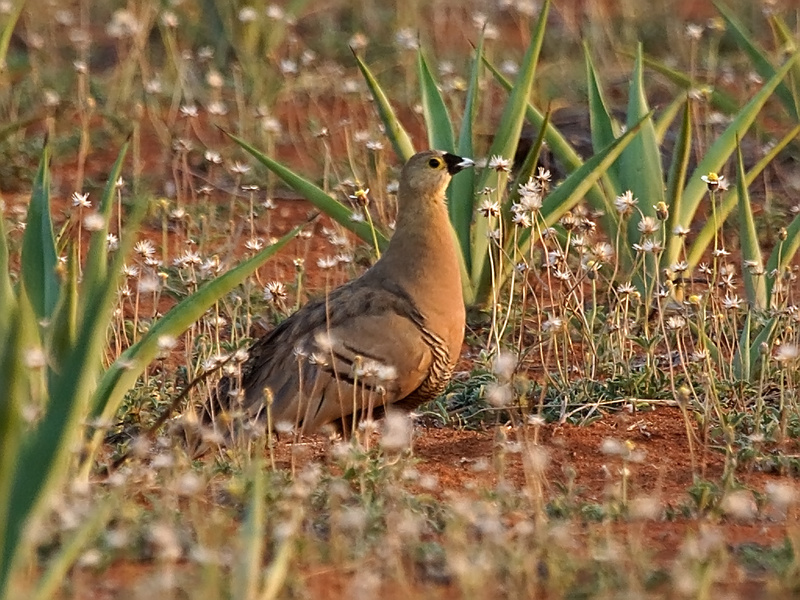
x=754, y=283
x=395, y=131
x=719, y=152
x=39, y=259
x=316, y=195
x=434, y=110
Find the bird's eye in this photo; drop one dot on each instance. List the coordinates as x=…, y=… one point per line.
x=434, y=163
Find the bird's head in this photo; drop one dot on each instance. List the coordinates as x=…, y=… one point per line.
x=428, y=173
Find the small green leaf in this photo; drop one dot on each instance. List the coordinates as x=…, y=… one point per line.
x=763, y=337
x=741, y=360
x=8, y=30
x=64, y=325
x=15, y=380
x=247, y=572
x=7, y=298
x=14, y=383
x=640, y=163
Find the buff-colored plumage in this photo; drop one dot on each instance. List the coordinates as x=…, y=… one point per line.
x=391, y=336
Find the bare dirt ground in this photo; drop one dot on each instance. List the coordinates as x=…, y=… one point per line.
x=464, y=463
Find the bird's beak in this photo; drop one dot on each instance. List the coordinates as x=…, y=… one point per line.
x=456, y=163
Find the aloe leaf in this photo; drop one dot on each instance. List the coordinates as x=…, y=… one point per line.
x=124, y=371
x=574, y=188
x=525, y=170
x=678, y=169
x=461, y=193
x=707, y=343
x=64, y=325
x=504, y=144
x=785, y=40
x=395, y=131
x=440, y=136
x=96, y=269
x=782, y=254
x=247, y=573
x=38, y=261
x=640, y=163
x=754, y=284
x=314, y=194
x=640, y=172
x=604, y=130
x=13, y=382
x=757, y=56
x=7, y=298
x=565, y=153
x=720, y=151
x=706, y=234
x=437, y=119
x=47, y=446
x=8, y=30
x=719, y=100
x=666, y=117
x=509, y=127
x=15, y=379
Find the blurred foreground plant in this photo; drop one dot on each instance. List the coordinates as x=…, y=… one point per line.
x=53, y=332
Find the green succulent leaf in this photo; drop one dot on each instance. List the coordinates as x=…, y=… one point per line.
x=754, y=284
x=461, y=193
x=401, y=141
x=719, y=152
x=39, y=259
x=783, y=254
x=758, y=57
x=504, y=145
x=731, y=199
x=437, y=118
x=316, y=195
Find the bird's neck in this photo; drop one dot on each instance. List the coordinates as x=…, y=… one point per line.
x=422, y=254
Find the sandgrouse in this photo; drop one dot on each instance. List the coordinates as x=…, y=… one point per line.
x=390, y=337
